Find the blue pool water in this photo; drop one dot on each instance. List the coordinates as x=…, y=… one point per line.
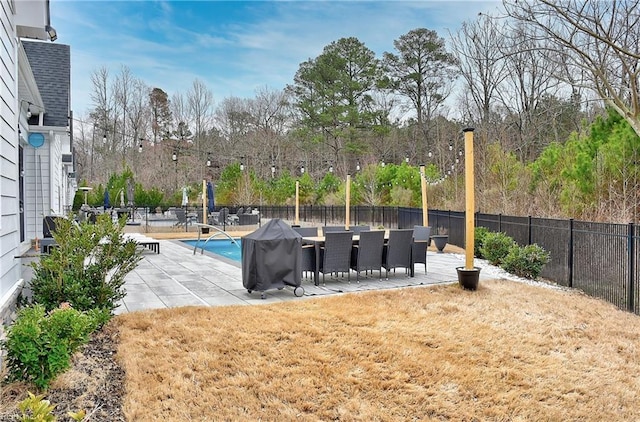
x=222, y=247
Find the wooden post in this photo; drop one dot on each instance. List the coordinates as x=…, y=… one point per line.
x=423, y=186
x=347, y=201
x=469, y=194
x=297, y=221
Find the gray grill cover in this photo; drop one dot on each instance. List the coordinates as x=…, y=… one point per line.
x=272, y=257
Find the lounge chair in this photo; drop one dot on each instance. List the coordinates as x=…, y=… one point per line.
x=181, y=215
x=144, y=241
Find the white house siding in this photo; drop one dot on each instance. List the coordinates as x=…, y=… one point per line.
x=37, y=193
x=10, y=266
x=56, y=182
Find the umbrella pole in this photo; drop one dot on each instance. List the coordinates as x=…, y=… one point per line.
x=297, y=203
x=347, y=201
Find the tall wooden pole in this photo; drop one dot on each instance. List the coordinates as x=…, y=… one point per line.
x=469, y=194
x=347, y=202
x=423, y=187
x=297, y=222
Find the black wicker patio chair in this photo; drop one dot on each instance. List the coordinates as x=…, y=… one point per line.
x=359, y=229
x=306, y=231
x=397, y=251
x=328, y=229
x=367, y=254
x=308, y=251
x=335, y=255
x=421, y=239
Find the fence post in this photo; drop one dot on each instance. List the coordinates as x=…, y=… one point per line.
x=570, y=252
x=529, y=234
x=631, y=251
x=500, y=222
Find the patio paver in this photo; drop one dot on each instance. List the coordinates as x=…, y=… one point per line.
x=177, y=277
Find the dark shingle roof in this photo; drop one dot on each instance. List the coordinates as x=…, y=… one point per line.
x=51, y=66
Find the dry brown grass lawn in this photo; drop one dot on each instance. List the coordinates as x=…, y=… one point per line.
x=508, y=352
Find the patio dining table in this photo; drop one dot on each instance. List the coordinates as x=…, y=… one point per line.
x=318, y=243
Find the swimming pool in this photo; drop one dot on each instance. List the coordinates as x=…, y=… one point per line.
x=222, y=247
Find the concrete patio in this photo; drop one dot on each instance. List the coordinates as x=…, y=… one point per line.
x=177, y=277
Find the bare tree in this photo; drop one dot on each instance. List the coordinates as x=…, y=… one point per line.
x=105, y=120
x=138, y=123
x=179, y=107
x=271, y=114
x=599, y=40
x=478, y=46
x=531, y=80
x=233, y=121
x=200, y=108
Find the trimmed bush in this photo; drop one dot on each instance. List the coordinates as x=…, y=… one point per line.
x=478, y=240
x=496, y=246
x=87, y=267
x=526, y=261
x=39, y=345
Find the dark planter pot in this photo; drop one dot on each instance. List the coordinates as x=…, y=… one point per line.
x=468, y=278
x=205, y=230
x=440, y=241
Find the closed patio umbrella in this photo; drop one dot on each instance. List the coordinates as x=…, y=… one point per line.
x=185, y=197
x=210, y=197
x=130, y=193
x=107, y=200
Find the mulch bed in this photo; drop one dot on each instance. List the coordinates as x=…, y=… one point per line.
x=95, y=383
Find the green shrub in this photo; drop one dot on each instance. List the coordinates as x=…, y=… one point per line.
x=496, y=246
x=39, y=345
x=526, y=261
x=478, y=240
x=87, y=267
x=37, y=409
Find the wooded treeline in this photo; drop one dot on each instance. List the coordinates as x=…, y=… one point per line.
x=534, y=82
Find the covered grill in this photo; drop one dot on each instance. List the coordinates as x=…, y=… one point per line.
x=272, y=258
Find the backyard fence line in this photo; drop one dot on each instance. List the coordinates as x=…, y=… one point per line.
x=600, y=259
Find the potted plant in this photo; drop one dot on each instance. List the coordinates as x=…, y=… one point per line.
x=440, y=241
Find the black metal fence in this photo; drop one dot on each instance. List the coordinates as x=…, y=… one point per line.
x=599, y=258
x=331, y=215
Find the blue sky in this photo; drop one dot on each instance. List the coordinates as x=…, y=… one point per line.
x=234, y=47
